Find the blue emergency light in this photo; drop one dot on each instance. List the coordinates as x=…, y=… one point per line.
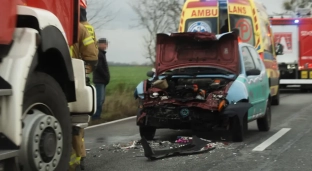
x=296, y=21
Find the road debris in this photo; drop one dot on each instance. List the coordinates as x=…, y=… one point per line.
x=157, y=144
x=183, y=139
x=196, y=146
x=187, y=145
x=133, y=145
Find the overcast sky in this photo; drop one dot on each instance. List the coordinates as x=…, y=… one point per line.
x=126, y=44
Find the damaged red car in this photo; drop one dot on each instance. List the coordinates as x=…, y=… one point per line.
x=204, y=82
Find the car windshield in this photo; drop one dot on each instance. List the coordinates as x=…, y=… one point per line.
x=202, y=25
x=244, y=23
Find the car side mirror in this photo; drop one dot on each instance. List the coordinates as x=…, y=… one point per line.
x=150, y=73
x=253, y=72
x=279, y=49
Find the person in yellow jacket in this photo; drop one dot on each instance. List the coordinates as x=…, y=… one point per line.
x=86, y=50
x=84, y=21
x=90, y=28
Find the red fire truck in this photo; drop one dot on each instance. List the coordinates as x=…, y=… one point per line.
x=295, y=65
x=40, y=84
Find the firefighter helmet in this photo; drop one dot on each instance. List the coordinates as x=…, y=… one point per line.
x=83, y=3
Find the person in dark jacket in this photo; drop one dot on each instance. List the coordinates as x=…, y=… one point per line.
x=101, y=77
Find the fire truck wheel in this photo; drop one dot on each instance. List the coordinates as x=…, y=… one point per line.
x=46, y=125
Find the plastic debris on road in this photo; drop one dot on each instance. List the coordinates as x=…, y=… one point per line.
x=195, y=146
x=136, y=147
x=133, y=145
x=183, y=139
x=157, y=144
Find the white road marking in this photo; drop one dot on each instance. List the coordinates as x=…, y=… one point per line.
x=112, y=122
x=271, y=140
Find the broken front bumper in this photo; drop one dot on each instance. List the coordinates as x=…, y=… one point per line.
x=185, y=118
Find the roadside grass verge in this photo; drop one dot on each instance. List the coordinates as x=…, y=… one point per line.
x=119, y=99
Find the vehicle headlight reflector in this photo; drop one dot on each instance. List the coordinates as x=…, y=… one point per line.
x=221, y=106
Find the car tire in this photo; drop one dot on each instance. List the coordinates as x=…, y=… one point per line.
x=147, y=132
x=264, y=124
x=43, y=89
x=276, y=98
x=237, y=130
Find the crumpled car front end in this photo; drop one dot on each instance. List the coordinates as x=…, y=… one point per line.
x=188, y=103
x=194, y=86
x=184, y=103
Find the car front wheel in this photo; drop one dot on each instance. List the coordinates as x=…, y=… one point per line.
x=264, y=124
x=238, y=129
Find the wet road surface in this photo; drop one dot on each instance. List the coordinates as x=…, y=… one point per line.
x=287, y=146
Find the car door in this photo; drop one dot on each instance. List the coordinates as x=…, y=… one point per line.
x=252, y=82
x=262, y=92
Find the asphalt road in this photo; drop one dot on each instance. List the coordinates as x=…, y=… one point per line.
x=291, y=151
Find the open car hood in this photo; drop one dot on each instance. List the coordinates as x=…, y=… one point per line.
x=197, y=49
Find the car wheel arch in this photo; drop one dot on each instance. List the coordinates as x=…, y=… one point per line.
x=244, y=100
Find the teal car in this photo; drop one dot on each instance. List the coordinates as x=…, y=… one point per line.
x=204, y=82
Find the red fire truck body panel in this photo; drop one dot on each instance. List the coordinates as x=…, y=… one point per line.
x=8, y=20
x=67, y=12
x=305, y=42
x=304, y=34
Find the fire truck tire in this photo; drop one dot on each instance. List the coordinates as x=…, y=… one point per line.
x=44, y=94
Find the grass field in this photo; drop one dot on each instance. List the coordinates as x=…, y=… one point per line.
x=119, y=100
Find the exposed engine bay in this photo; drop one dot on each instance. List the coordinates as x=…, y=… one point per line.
x=206, y=93
x=177, y=102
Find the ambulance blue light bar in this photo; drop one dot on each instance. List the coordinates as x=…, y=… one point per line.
x=296, y=21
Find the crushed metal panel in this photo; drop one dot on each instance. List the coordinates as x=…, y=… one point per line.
x=197, y=146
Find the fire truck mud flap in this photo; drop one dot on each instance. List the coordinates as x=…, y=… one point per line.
x=197, y=146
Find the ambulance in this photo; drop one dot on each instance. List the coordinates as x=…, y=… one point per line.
x=295, y=65
x=249, y=16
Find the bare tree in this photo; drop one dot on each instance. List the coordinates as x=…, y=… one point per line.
x=292, y=5
x=157, y=16
x=100, y=13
